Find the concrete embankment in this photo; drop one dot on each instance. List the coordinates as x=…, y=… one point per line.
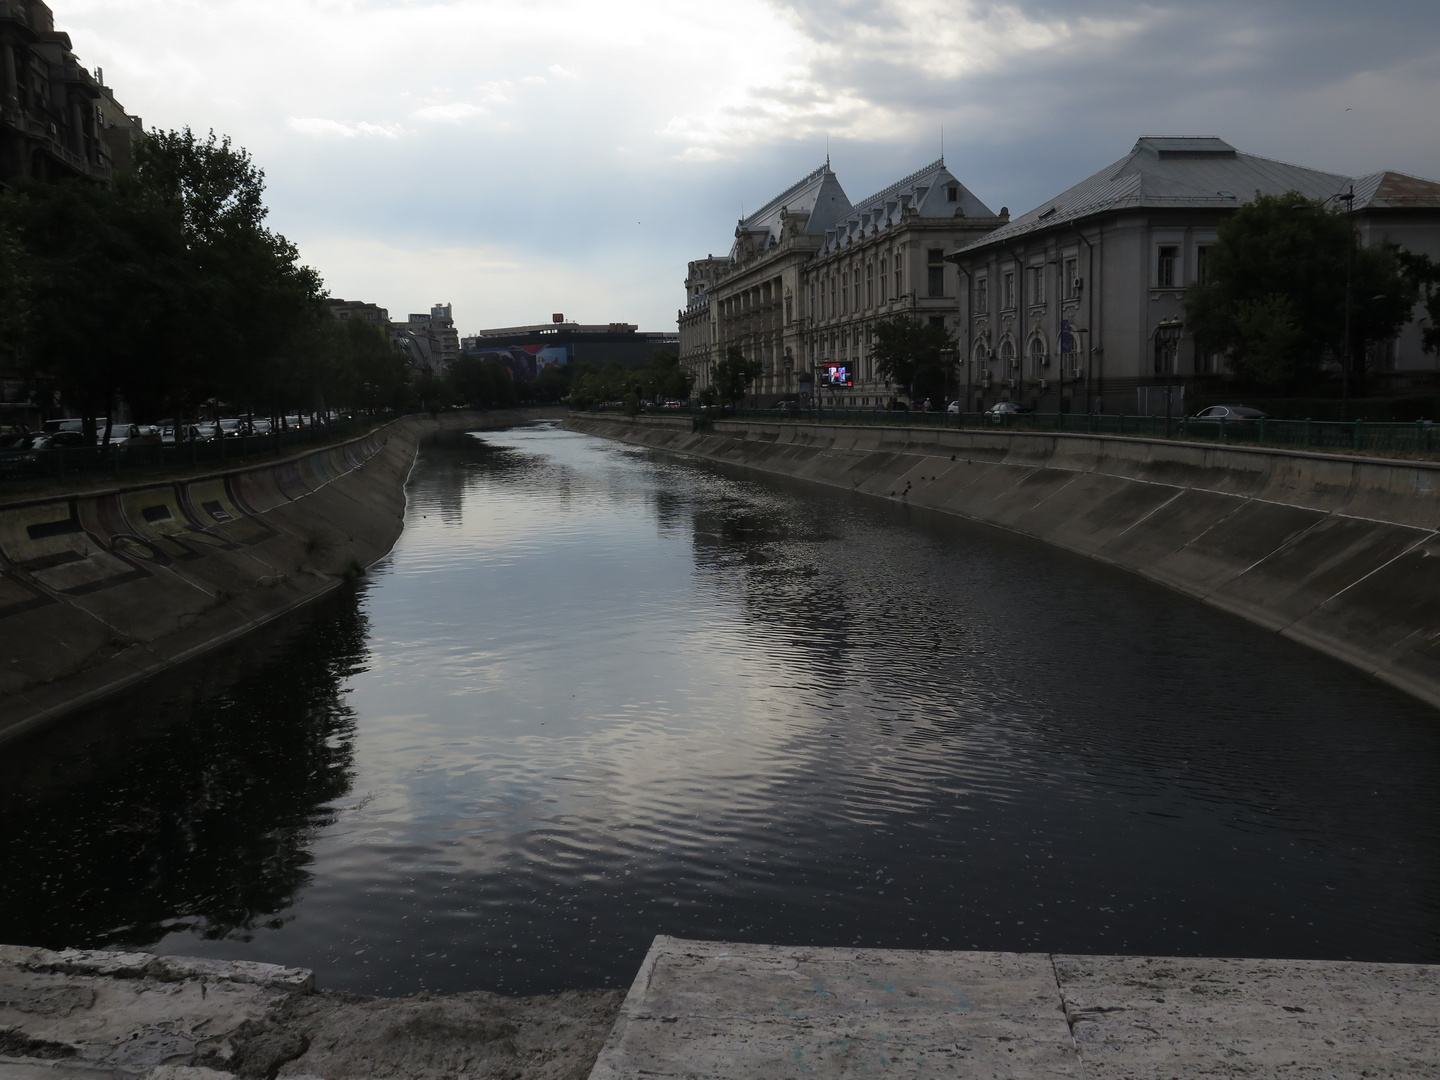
x=103, y=589
x=1337, y=552
x=730, y=1011
x=78, y=1014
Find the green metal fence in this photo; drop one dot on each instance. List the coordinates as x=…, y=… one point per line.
x=134, y=457
x=1358, y=436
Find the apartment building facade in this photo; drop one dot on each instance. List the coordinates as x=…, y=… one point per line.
x=57, y=119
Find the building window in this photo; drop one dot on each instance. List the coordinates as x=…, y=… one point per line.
x=881, y=279
x=982, y=296
x=1037, y=284
x=1007, y=290
x=855, y=278
x=1072, y=278
x=952, y=194
x=935, y=264
x=869, y=285
x=1165, y=267
x=899, y=280
x=789, y=311
x=1202, y=264
x=832, y=296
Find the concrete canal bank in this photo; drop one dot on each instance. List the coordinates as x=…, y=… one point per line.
x=1334, y=551
x=726, y=1011
x=102, y=589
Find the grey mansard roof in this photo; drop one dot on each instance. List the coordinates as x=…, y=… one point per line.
x=924, y=190
x=818, y=194
x=1173, y=172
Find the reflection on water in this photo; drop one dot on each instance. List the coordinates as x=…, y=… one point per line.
x=597, y=694
x=203, y=821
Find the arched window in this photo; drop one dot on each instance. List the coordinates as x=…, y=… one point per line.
x=1039, y=356
x=1007, y=356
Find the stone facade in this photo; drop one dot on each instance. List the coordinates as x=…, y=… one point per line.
x=1062, y=308
x=57, y=120
x=810, y=274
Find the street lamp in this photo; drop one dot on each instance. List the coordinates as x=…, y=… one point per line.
x=1168, y=335
x=947, y=357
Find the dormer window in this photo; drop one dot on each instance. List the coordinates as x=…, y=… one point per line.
x=952, y=194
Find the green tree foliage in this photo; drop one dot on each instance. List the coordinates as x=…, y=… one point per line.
x=662, y=377
x=1423, y=274
x=169, y=290
x=552, y=384
x=483, y=383
x=1274, y=298
x=734, y=373
x=908, y=353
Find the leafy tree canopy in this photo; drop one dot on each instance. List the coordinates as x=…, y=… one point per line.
x=911, y=354
x=1274, y=295
x=734, y=373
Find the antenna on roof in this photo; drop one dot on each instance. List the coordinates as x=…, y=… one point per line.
x=942, y=146
x=827, y=150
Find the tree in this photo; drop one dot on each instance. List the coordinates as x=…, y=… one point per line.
x=918, y=357
x=734, y=373
x=1423, y=274
x=166, y=289
x=664, y=378
x=1274, y=297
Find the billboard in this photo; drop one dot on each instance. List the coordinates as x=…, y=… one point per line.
x=524, y=362
x=836, y=374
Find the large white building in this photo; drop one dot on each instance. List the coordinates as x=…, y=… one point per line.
x=809, y=274
x=1061, y=307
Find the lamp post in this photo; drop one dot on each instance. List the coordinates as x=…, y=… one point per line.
x=1168, y=335
x=1346, y=359
x=947, y=357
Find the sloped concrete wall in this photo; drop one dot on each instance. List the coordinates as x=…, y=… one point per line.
x=99, y=591
x=1338, y=552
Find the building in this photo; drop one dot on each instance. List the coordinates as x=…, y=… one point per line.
x=359, y=309
x=526, y=349
x=810, y=273
x=1062, y=307
x=56, y=119
x=439, y=326
x=886, y=258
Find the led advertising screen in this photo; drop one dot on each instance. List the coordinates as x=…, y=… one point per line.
x=836, y=375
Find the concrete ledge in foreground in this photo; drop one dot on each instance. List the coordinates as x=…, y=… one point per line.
x=721, y=1011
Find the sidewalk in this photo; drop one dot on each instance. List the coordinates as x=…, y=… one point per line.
x=727, y=1012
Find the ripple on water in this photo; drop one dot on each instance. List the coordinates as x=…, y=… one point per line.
x=597, y=694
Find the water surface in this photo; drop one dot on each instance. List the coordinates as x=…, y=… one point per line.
x=597, y=694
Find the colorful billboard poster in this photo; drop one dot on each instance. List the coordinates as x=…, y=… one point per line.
x=836, y=375
x=552, y=356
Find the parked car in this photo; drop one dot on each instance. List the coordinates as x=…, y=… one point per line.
x=953, y=408
x=1229, y=412
x=1002, y=410
x=58, y=440
x=261, y=426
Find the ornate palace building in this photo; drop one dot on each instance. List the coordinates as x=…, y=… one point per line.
x=810, y=273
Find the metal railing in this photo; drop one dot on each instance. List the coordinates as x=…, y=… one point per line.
x=134, y=457
x=1358, y=436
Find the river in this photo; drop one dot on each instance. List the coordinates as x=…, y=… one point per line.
x=597, y=693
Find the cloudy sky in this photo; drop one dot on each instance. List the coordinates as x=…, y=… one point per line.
x=524, y=157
